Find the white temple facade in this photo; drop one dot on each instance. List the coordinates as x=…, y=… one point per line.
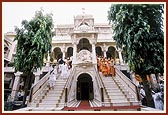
x=83, y=41
x=84, y=34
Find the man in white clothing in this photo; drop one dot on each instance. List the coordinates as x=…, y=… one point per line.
x=52, y=79
x=64, y=70
x=143, y=95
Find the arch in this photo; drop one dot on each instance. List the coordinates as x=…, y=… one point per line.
x=69, y=52
x=84, y=23
x=84, y=44
x=99, y=51
x=84, y=87
x=111, y=52
x=57, y=53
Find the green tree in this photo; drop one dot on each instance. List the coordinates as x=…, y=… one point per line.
x=139, y=29
x=33, y=41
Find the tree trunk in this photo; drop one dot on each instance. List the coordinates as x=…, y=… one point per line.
x=149, y=99
x=28, y=76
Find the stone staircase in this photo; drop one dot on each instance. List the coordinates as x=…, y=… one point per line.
x=50, y=98
x=116, y=94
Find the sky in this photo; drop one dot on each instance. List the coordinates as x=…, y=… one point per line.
x=63, y=13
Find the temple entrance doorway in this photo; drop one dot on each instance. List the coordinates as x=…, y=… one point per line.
x=85, y=87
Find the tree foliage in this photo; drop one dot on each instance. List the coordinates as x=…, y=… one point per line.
x=139, y=28
x=33, y=41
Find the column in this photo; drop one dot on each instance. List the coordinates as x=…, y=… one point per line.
x=74, y=53
x=104, y=50
x=74, y=42
x=120, y=57
x=94, y=53
x=93, y=42
x=48, y=59
x=104, y=53
x=63, y=51
x=37, y=76
x=15, y=85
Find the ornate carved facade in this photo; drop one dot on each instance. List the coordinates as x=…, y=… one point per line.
x=84, y=34
x=82, y=40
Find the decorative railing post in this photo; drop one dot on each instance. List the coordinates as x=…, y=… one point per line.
x=66, y=96
x=102, y=96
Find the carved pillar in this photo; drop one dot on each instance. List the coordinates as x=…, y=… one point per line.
x=15, y=87
x=74, y=53
x=120, y=56
x=94, y=53
x=37, y=76
x=93, y=42
x=63, y=51
x=74, y=42
x=104, y=53
x=48, y=59
x=104, y=50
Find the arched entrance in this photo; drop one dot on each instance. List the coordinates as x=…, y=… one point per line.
x=69, y=52
x=57, y=53
x=112, y=53
x=85, y=87
x=99, y=51
x=84, y=44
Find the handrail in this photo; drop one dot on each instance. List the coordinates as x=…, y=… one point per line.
x=70, y=79
x=128, y=83
x=100, y=85
x=69, y=84
x=37, y=87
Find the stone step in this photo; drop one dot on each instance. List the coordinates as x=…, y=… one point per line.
x=60, y=83
x=106, y=104
x=49, y=100
x=118, y=99
x=110, y=85
x=73, y=104
x=43, y=109
x=94, y=104
x=59, y=86
x=112, y=88
x=114, y=91
x=53, y=94
x=52, y=97
x=46, y=105
x=135, y=102
x=55, y=91
x=60, y=105
x=121, y=104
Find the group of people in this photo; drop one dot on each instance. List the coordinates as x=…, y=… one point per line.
x=106, y=66
x=158, y=97
x=20, y=95
x=61, y=69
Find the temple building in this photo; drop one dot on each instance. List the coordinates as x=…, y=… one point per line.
x=81, y=42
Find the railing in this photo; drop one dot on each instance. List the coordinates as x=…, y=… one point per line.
x=128, y=83
x=100, y=85
x=69, y=84
x=37, y=88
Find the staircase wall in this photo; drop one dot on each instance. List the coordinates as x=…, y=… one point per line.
x=80, y=69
